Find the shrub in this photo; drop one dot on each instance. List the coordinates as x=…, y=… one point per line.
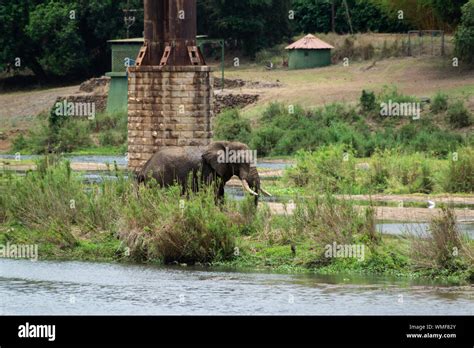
x=112, y=138
x=444, y=247
x=368, y=101
x=440, y=103
x=106, y=121
x=282, y=132
x=60, y=134
x=231, y=126
x=42, y=200
x=73, y=135
x=458, y=115
x=391, y=93
x=159, y=224
x=330, y=169
x=408, y=174
x=459, y=176
x=327, y=220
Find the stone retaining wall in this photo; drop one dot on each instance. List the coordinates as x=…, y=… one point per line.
x=167, y=106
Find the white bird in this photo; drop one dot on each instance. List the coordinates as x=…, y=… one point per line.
x=431, y=205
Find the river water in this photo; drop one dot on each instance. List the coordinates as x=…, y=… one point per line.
x=81, y=288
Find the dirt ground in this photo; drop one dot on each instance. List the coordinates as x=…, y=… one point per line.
x=19, y=110
x=421, y=77
x=314, y=87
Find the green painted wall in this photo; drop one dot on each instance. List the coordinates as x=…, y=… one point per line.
x=122, y=51
x=117, y=100
x=307, y=59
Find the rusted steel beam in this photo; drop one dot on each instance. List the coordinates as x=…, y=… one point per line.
x=170, y=23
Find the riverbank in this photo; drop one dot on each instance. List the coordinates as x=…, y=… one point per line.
x=111, y=221
x=390, y=258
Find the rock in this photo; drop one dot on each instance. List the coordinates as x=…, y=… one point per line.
x=232, y=101
x=238, y=83
x=98, y=85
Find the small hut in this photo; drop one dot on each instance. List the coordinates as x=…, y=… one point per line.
x=309, y=52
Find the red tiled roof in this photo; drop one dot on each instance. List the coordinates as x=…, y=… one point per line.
x=309, y=42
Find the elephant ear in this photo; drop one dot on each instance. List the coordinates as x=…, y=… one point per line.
x=211, y=158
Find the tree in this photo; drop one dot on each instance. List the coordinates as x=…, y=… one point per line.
x=62, y=37
x=316, y=16
x=250, y=24
x=54, y=30
x=464, y=37
x=448, y=11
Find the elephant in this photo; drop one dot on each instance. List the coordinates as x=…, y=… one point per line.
x=214, y=164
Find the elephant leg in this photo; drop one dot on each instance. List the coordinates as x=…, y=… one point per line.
x=220, y=194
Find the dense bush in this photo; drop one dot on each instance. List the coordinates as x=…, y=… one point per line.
x=160, y=224
x=283, y=130
x=230, y=126
x=330, y=169
x=315, y=16
x=459, y=177
x=153, y=224
x=408, y=174
x=58, y=134
x=444, y=249
x=458, y=115
x=368, y=101
x=464, y=38
x=439, y=103
x=76, y=46
x=328, y=220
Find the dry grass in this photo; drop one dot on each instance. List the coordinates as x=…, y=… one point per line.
x=328, y=219
x=444, y=247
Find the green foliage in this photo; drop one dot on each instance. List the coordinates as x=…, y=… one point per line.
x=231, y=126
x=160, y=224
x=325, y=171
x=464, y=37
x=445, y=248
x=368, y=101
x=52, y=41
x=448, y=11
x=60, y=134
x=391, y=92
x=408, y=174
x=250, y=24
x=284, y=130
x=459, y=176
x=439, y=103
x=315, y=16
x=330, y=169
x=63, y=49
x=458, y=115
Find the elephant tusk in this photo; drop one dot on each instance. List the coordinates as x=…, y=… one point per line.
x=245, y=184
x=266, y=193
